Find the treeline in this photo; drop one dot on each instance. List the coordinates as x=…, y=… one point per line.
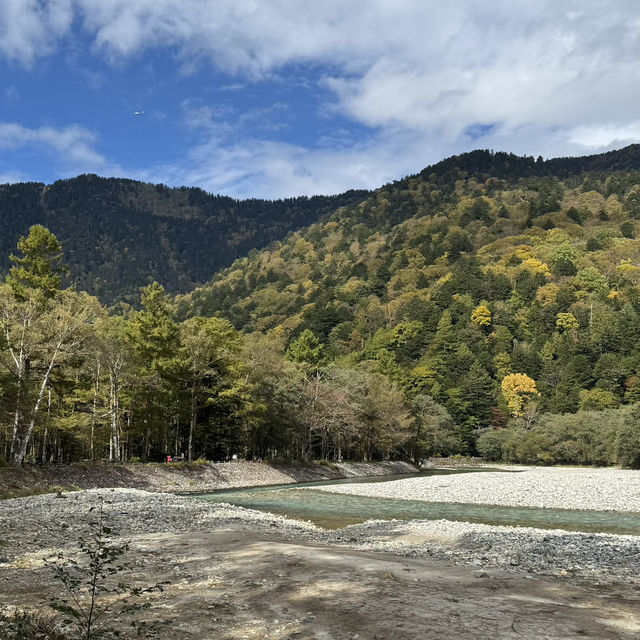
x=78, y=383
x=599, y=438
x=119, y=235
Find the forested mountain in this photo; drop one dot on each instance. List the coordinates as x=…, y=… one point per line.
x=119, y=235
x=489, y=304
x=482, y=267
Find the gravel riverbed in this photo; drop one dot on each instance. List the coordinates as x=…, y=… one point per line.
x=561, y=488
x=32, y=527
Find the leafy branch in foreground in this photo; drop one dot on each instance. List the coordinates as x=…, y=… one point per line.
x=94, y=595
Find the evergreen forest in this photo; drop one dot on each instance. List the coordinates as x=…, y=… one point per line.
x=120, y=235
x=489, y=305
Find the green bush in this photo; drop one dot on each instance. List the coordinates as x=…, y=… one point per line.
x=628, y=439
x=528, y=447
x=490, y=444
x=599, y=438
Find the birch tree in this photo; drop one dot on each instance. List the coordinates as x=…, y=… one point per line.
x=41, y=335
x=114, y=352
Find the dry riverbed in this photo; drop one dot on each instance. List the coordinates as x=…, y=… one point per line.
x=237, y=574
x=541, y=487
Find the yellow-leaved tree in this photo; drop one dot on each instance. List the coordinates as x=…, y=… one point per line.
x=516, y=389
x=567, y=323
x=481, y=316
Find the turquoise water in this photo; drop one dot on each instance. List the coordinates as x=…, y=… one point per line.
x=334, y=511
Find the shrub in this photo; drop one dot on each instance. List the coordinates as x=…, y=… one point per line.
x=490, y=444
x=628, y=439
x=95, y=599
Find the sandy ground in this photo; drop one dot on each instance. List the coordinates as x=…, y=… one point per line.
x=236, y=584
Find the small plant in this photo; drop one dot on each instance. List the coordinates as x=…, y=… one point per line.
x=94, y=596
x=328, y=464
x=16, y=624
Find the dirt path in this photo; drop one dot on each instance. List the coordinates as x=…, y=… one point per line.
x=234, y=584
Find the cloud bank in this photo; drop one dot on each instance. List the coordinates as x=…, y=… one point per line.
x=424, y=78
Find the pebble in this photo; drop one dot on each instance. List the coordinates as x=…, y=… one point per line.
x=130, y=512
x=540, y=487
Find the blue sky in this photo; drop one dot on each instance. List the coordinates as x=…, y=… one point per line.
x=275, y=98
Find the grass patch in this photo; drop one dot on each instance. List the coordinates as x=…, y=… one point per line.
x=327, y=464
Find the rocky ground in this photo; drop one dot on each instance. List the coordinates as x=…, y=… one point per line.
x=179, y=477
x=236, y=573
x=542, y=487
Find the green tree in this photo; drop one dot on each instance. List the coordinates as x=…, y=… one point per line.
x=307, y=350
x=40, y=336
x=567, y=323
x=154, y=339
x=115, y=354
x=434, y=429
x=628, y=439
x=597, y=399
x=272, y=421
x=210, y=365
x=481, y=316
x=41, y=264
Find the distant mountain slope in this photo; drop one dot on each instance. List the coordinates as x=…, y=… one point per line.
x=119, y=235
x=510, y=166
x=480, y=266
x=451, y=209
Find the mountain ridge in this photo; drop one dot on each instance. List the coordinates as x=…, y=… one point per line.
x=120, y=234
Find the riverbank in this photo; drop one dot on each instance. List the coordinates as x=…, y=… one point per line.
x=180, y=477
x=539, y=487
x=238, y=573
x=36, y=522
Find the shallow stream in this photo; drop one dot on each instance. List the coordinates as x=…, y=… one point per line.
x=335, y=510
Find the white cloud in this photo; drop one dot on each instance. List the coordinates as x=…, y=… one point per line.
x=596, y=137
x=428, y=78
x=72, y=146
x=258, y=168
x=30, y=29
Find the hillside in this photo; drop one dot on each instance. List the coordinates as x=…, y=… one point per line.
x=489, y=304
x=118, y=235
x=450, y=213
x=482, y=266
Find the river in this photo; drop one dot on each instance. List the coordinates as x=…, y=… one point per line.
x=334, y=511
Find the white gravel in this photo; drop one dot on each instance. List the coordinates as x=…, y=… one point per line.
x=601, y=556
x=29, y=525
x=561, y=488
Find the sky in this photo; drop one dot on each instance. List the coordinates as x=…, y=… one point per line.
x=279, y=98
